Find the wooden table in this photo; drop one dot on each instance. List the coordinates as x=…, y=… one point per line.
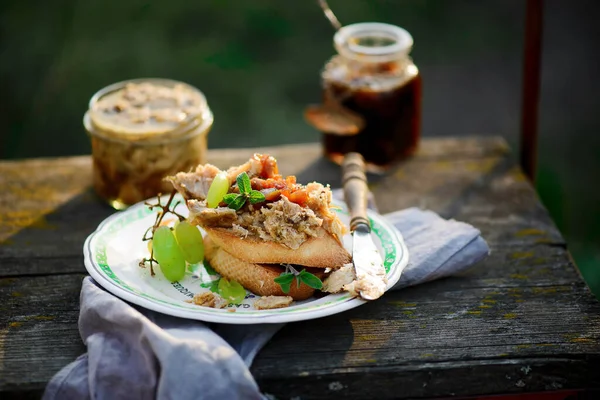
x=523, y=321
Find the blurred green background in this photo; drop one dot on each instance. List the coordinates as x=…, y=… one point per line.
x=258, y=62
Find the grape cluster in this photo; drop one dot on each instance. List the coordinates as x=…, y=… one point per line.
x=173, y=247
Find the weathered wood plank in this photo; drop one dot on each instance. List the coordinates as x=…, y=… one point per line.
x=58, y=265
x=447, y=334
x=422, y=381
x=38, y=328
x=64, y=233
x=514, y=240
x=515, y=266
x=438, y=326
x=32, y=189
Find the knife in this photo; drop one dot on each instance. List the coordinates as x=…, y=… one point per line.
x=371, y=277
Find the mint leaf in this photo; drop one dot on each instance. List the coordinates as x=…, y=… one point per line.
x=243, y=182
x=284, y=278
x=209, y=270
x=285, y=287
x=228, y=198
x=238, y=202
x=256, y=197
x=212, y=286
x=235, y=201
x=310, y=280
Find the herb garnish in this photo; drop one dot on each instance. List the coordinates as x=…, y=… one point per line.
x=237, y=201
x=286, y=278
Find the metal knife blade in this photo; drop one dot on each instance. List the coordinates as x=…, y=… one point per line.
x=371, y=278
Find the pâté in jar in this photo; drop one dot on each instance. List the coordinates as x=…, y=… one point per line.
x=141, y=131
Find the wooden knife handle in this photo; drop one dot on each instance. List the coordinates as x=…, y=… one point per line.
x=354, y=182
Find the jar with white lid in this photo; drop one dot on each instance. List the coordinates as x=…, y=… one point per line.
x=141, y=131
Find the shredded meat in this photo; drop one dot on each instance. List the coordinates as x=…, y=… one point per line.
x=260, y=165
x=202, y=215
x=282, y=221
x=319, y=200
x=209, y=299
x=290, y=214
x=288, y=223
x=339, y=278
x=194, y=185
x=270, y=302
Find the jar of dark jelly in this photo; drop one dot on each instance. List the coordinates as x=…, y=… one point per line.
x=373, y=82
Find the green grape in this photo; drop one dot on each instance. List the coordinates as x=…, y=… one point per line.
x=218, y=189
x=190, y=242
x=231, y=291
x=168, y=254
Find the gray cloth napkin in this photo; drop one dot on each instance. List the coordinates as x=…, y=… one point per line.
x=436, y=247
x=133, y=353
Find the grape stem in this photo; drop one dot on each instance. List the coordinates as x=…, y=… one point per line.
x=165, y=209
x=149, y=260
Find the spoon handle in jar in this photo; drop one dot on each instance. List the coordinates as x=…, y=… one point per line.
x=354, y=182
x=329, y=14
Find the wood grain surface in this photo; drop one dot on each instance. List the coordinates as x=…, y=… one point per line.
x=521, y=321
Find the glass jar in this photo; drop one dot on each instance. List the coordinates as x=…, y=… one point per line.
x=373, y=88
x=142, y=130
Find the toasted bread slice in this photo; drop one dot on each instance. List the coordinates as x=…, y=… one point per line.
x=257, y=278
x=321, y=252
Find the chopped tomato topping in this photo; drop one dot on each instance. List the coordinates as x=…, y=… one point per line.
x=261, y=184
x=269, y=166
x=272, y=195
x=299, y=197
x=274, y=187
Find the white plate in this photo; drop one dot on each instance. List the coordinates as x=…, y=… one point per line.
x=113, y=252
